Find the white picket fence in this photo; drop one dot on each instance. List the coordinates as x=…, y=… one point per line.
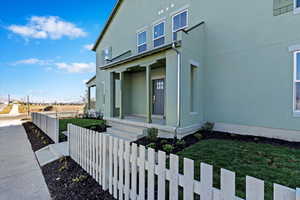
x=48, y=124
x=120, y=167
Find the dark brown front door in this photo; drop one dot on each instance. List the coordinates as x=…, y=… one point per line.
x=158, y=96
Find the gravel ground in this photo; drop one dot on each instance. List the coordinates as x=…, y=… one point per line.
x=37, y=138
x=66, y=180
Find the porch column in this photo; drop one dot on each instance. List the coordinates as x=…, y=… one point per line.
x=89, y=97
x=149, y=94
x=121, y=95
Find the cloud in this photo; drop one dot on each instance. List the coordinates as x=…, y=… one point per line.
x=33, y=61
x=88, y=46
x=77, y=67
x=51, y=27
x=85, y=81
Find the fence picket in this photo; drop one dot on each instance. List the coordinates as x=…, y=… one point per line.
x=298, y=194
x=127, y=170
x=121, y=165
x=283, y=193
x=227, y=184
x=151, y=175
x=110, y=160
x=206, y=184
x=133, y=160
x=174, y=179
x=115, y=191
x=188, y=179
x=104, y=162
x=254, y=189
x=161, y=175
x=141, y=163
x=100, y=149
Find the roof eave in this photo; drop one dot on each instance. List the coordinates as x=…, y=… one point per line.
x=107, y=24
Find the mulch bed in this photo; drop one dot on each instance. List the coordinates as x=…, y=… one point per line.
x=38, y=139
x=204, y=135
x=66, y=180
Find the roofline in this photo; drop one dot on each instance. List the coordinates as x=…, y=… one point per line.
x=91, y=79
x=142, y=55
x=116, y=7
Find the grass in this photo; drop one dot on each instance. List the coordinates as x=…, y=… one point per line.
x=7, y=109
x=273, y=164
x=63, y=123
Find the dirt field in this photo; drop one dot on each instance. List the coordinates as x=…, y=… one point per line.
x=56, y=108
x=7, y=109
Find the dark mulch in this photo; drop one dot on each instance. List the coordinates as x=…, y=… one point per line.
x=202, y=135
x=38, y=139
x=66, y=180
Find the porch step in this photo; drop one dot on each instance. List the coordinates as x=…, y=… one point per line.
x=127, y=127
x=124, y=134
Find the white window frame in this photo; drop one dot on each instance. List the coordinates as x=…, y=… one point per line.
x=187, y=21
x=163, y=36
x=295, y=81
x=296, y=9
x=137, y=41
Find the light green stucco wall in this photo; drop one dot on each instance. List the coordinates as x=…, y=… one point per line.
x=245, y=68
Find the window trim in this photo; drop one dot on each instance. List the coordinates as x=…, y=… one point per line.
x=187, y=21
x=162, y=36
x=137, y=41
x=296, y=9
x=295, y=81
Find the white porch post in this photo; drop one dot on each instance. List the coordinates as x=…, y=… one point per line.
x=121, y=95
x=149, y=94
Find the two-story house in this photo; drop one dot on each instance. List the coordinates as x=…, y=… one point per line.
x=174, y=64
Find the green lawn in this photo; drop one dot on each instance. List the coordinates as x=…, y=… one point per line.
x=273, y=164
x=78, y=122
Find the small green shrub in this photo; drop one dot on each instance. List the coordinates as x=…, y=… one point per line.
x=151, y=145
x=163, y=142
x=208, y=127
x=168, y=148
x=199, y=136
x=180, y=143
x=152, y=134
x=79, y=179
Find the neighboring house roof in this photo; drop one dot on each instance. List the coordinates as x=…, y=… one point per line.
x=112, y=15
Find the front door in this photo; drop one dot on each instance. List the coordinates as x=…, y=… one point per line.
x=158, y=96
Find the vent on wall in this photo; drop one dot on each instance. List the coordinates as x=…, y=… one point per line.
x=282, y=7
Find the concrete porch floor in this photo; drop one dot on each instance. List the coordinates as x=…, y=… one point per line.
x=155, y=119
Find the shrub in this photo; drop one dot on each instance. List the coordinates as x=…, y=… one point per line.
x=151, y=145
x=79, y=179
x=208, y=127
x=199, y=136
x=168, y=148
x=163, y=142
x=152, y=134
x=48, y=108
x=180, y=143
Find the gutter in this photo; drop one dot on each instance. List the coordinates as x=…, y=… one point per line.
x=178, y=87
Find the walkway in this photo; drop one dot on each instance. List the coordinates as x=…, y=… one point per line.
x=20, y=176
x=15, y=110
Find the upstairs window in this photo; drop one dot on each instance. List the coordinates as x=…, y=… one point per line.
x=159, y=34
x=180, y=21
x=297, y=6
x=142, y=41
x=297, y=81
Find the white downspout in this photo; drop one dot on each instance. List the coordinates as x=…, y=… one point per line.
x=178, y=87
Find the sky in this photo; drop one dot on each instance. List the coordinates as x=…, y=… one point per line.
x=45, y=47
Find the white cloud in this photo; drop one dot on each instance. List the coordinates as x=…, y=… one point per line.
x=88, y=46
x=33, y=61
x=85, y=81
x=77, y=67
x=51, y=27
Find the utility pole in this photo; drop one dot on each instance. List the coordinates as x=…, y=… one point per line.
x=28, y=107
x=8, y=99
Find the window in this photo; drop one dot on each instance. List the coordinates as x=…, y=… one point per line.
x=107, y=54
x=193, y=89
x=297, y=81
x=180, y=21
x=296, y=6
x=142, y=41
x=159, y=34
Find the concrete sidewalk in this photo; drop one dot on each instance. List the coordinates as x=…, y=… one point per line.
x=20, y=176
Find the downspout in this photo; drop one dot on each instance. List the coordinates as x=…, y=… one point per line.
x=178, y=87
